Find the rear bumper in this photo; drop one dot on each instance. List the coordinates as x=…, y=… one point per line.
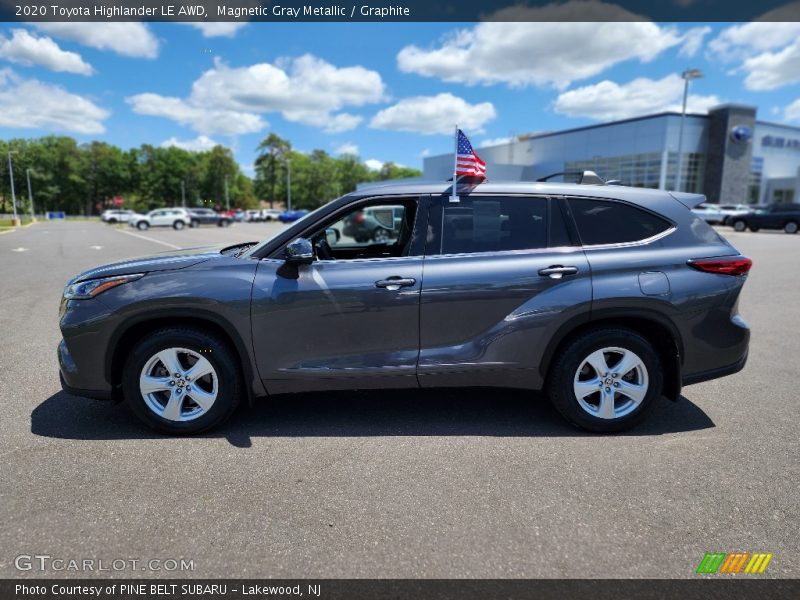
x=715, y=373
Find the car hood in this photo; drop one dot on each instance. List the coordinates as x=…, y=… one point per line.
x=165, y=261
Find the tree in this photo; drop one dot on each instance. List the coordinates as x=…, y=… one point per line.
x=271, y=152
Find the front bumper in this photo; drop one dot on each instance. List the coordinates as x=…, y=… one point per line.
x=71, y=381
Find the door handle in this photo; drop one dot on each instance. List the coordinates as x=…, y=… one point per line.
x=558, y=271
x=395, y=283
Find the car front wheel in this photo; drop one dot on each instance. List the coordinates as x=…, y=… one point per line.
x=739, y=225
x=142, y=225
x=606, y=380
x=181, y=381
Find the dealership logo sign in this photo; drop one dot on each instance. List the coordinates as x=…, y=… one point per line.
x=720, y=562
x=773, y=141
x=741, y=133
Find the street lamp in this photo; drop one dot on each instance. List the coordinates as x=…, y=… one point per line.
x=687, y=76
x=30, y=194
x=288, y=182
x=13, y=195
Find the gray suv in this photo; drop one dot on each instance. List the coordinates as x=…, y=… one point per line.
x=605, y=297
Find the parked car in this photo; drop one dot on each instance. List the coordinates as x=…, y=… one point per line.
x=289, y=216
x=376, y=224
x=206, y=216
x=116, y=215
x=253, y=216
x=606, y=297
x=270, y=214
x=718, y=214
x=773, y=216
x=177, y=218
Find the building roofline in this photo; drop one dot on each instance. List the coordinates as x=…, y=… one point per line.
x=774, y=124
x=606, y=124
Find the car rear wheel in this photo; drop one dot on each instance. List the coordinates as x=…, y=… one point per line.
x=380, y=235
x=606, y=380
x=739, y=225
x=142, y=225
x=181, y=381
x=223, y=223
x=178, y=225
x=790, y=227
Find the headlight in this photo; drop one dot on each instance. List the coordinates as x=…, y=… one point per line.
x=89, y=289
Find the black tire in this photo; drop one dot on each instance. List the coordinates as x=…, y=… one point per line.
x=739, y=224
x=790, y=227
x=142, y=225
x=217, y=352
x=178, y=225
x=194, y=224
x=223, y=223
x=112, y=221
x=564, y=368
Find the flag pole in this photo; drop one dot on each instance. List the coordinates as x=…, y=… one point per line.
x=453, y=195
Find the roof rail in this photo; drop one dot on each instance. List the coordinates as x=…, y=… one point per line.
x=584, y=177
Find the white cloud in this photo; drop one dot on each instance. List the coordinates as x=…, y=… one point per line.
x=742, y=41
x=32, y=104
x=771, y=70
x=792, y=112
x=495, y=142
x=127, y=39
x=693, y=40
x=199, y=144
x=202, y=119
x=767, y=53
x=425, y=152
x=218, y=28
x=538, y=53
x=434, y=114
x=373, y=164
x=305, y=90
x=610, y=100
x=347, y=148
x=26, y=49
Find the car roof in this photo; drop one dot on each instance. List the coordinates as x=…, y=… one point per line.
x=516, y=187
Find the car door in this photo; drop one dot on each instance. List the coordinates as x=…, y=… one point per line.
x=350, y=319
x=158, y=218
x=502, y=274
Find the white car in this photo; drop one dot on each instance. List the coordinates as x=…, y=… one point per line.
x=116, y=216
x=177, y=218
x=270, y=214
x=253, y=216
x=719, y=213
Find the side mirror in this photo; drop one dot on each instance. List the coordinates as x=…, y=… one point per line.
x=299, y=252
x=332, y=235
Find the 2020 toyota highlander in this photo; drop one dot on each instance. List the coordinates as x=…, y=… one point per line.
x=606, y=297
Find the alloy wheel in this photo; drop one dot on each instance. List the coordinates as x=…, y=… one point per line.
x=611, y=383
x=178, y=384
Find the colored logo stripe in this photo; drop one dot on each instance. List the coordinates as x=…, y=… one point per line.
x=733, y=563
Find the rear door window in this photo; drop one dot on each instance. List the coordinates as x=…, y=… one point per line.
x=493, y=224
x=608, y=222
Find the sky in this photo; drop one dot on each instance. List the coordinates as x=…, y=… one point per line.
x=384, y=91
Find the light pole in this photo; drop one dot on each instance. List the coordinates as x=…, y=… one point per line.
x=288, y=184
x=30, y=194
x=183, y=193
x=13, y=195
x=687, y=76
x=227, y=198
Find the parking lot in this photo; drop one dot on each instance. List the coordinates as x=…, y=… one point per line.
x=435, y=484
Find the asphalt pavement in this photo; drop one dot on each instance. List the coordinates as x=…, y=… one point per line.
x=466, y=483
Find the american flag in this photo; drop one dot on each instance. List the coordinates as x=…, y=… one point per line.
x=467, y=162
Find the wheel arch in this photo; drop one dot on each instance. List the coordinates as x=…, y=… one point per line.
x=654, y=327
x=136, y=328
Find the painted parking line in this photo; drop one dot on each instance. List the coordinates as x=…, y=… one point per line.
x=149, y=239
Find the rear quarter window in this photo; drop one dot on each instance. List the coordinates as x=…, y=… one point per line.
x=608, y=222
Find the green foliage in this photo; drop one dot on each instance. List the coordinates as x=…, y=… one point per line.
x=83, y=179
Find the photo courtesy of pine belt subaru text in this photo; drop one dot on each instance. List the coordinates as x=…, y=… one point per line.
x=603, y=296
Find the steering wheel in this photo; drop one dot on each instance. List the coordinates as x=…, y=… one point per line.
x=323, y=249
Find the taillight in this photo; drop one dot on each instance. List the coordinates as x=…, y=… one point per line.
x=737, y=265
x=359, y=219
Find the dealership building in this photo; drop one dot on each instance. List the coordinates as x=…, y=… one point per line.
x=728, y=155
